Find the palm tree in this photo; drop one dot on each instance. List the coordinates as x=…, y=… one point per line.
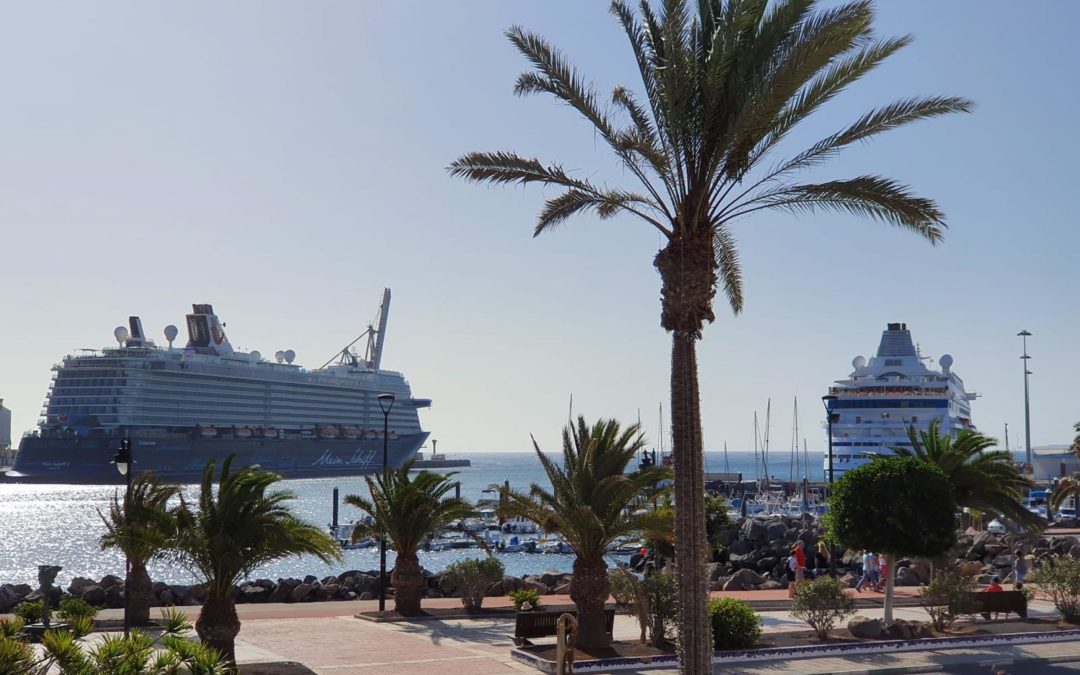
x=408, y=510
x=591, y=504
x=142, y=527
x=723, y=86
x=240, y=527
x=1067, y=487
x=1076, y=441
x=982, y=479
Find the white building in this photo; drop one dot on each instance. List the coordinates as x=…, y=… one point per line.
x=1053, y=461
x=5, y=426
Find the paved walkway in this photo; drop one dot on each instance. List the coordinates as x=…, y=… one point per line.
x=327, y=639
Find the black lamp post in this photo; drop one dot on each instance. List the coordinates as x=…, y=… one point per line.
x=828, y=400
x=386, y=402
x=125, y=465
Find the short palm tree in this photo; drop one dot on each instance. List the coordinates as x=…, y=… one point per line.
x=591, y=504
x=237, y=528
x=142, y=527
x=723, y=83
x=407, y=510
x=982, y=479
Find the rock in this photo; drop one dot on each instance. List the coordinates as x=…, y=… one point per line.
x=114, y=596
x=301, y=592
x=366, y=595
x=434, y=593
x=753, y=530
x=726, y=537
x=166, y=598
x=346, y=595
x=109, y=581
x=510, y=584
x=864, y=627
x=1003, y=561
x=538, y=587
x=22, y=590
x=767, y=564
x=327, y=591
x=771, y=585
x=718, y=585
x=252, y=593
x=95, y=595
x=907, y=630
x=311, y=579
x=197, y=593
x=849, y=580
x=1074, y=551
x=562, y=589
x=743, y=580
x=906, y=577
x=281, y=593
x=80, y=584
x=715, y=570
x=921, y=570
x=8, y=598
x=740, y=547
x=776, y=531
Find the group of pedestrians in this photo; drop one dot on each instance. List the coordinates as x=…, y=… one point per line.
x=875, y=572
x=797, y=563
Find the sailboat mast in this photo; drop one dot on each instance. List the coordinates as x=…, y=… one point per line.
x=757, y=467
x=765, y=446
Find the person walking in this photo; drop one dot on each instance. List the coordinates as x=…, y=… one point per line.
x=821, y=558
x=1020, y=568
x=797, y=562
x=865, y=571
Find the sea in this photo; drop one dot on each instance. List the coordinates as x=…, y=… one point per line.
x=61, y=524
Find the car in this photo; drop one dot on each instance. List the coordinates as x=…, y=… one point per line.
x=1065, y=514
x=995, y=526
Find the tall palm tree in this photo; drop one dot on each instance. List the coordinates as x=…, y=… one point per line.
x=982, y=479
x=722, y=86
x=407, y=510
x=591, y=504
x=142, y=527
x=237, y=528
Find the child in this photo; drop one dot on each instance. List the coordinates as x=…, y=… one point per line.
x=995, y=586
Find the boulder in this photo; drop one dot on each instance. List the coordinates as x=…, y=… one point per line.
x=743, y=580
x=197, y=593
x=327, y=591
x=740, y=547
x=281, y=592
x=718, y=585
x=550, y=579
x=22, y=590
x=301, y=592
x=95, y=595
x=434, y=593
x=252, y=593
x=166, y=598
x=767, y=564
x=80, y=584
x=776, y=531
x=906, y=577
x=8, y=598
x=715, y=570
x=849, y=580
x=753, y=530
x=908, y=630
x=346, y=595
x=864, y=627
x=109, y=581
x=311, y=579
x=562, y=589
x=366, y=595
x=771, y=585
x=1003, y=561
x=921, y=570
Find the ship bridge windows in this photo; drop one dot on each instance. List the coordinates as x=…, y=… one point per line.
x=891, y=375
x=890, y=403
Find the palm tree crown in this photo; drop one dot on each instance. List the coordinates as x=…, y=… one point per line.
x=406, y=509
x=141, y=525
x=591, y=497
x=982, y=479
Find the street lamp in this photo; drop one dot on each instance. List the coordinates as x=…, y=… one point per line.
x=827, y=401
x=386, y=402
x=1024, y=335
x=125, y=465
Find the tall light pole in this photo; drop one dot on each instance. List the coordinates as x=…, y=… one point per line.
x=125, y=465
x=827, y=400
x=1024, y=335
x=386, y=402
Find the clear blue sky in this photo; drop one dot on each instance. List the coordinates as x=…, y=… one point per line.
x=285, y=161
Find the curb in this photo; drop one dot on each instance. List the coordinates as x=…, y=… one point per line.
x=770, y=654
x=1038, y=660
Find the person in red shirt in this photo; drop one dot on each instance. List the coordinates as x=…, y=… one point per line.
x=995, y=586
x=798, y=560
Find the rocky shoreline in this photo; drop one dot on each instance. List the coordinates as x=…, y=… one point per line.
x=752, y=556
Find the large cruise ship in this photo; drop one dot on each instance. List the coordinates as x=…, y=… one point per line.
x=180, y=406
x=882, y=399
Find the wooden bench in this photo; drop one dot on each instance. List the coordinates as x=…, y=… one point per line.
x=536, y=624
x=1001, y=601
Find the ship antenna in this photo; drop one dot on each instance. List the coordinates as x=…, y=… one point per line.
x=380, y=336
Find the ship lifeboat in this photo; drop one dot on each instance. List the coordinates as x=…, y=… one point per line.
x=371, y=434
x=349, y=431
x=208, y=432
x=269, y=432
x=393, y=435
x=242, y=432
x=329, y=431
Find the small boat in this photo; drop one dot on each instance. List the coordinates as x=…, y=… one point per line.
x=370, y=435
x=366, y=542
x=208, y=432
x=350, y=431
x=242, y=432
x=438, y=545
x=393, y=436
x=269, y=432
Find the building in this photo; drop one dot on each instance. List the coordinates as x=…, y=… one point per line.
x=1053, y=461
x=7, y=453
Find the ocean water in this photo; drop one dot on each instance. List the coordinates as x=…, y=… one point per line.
x=61, y=525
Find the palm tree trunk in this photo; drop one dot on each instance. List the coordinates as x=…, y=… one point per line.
x=890, y=561
x=589, y=589
x=139, y=593
x=691, y=542
x=218, y=625
x=407, y=580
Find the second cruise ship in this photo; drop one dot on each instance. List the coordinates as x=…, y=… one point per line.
x=873, y=409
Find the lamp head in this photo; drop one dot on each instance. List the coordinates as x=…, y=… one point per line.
x=386, y=402
x=1023, y=333
x=122, y=459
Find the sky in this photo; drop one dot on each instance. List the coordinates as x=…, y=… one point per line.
x=285, y=161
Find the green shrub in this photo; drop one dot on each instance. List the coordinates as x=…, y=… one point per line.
x=1060, y=579
x=31, y=611
x=948, y=596
x=623, y=587
x=821, y=603
x=525, y=595
x=734, y=624
x=660, y=592
x=74, y=608
x=473, y=577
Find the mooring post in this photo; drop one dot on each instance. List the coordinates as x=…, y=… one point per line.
x=334, y=520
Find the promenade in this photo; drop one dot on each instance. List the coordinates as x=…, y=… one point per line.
x=326, y=639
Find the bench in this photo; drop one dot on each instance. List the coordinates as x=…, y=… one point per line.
x=1001, y=601
x=536, y=624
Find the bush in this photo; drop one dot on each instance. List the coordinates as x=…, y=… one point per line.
x=948, y=596
x=1059, y=578
x=821, y=603
x=734, y=624
x=525, y=595
x=31, y=612
x=623, y=588
x=473, y=577
x=660, y=592
x=75, y=608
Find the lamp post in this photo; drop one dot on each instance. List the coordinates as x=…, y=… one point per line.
x=1024, y=335
x=124, y=464
x=386, y=402
x=827, y=400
